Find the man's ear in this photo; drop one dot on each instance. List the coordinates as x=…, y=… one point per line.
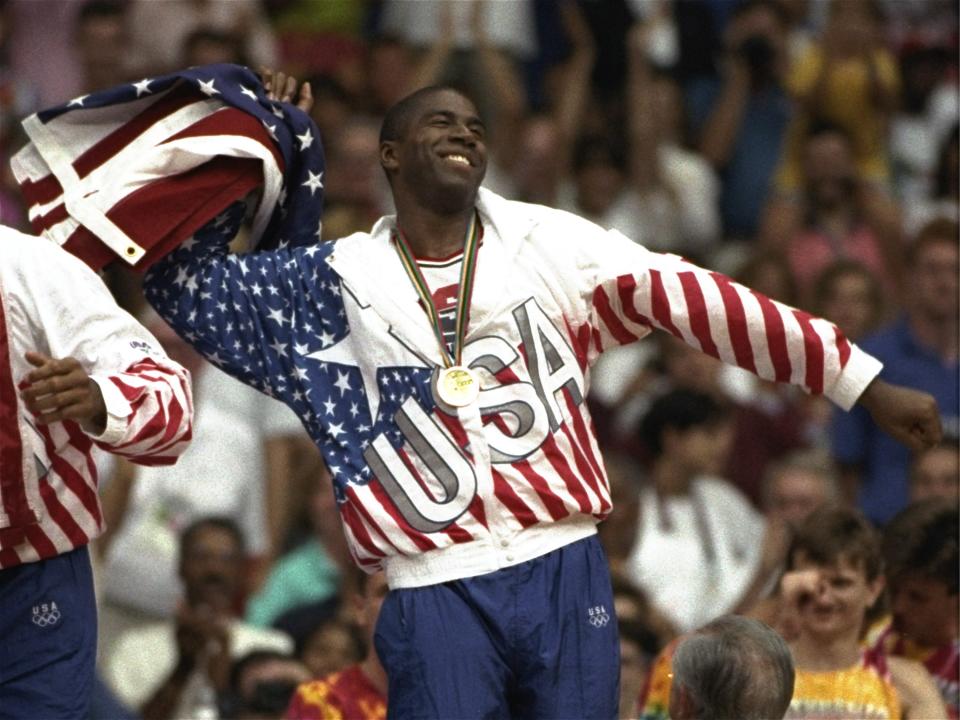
x=388, y=156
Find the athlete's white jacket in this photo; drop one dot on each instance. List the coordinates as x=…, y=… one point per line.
x=52, y=303
x=337, y=332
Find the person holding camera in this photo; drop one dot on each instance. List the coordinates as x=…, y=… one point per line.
x=740, y=120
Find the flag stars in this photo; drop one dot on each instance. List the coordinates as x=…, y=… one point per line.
x=306, y=140
x=314, y=182
x=256, y=289
x=78, y=101
x=276, y=315
x=342, y=383
x=330, y=406
x=207, y=87
x=335, y=430
x=143, y=87
x=279, y=348
x=248, y=92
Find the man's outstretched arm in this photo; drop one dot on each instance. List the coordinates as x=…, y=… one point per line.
x=714, y=314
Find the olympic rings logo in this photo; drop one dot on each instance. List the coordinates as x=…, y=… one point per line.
x=46, y=615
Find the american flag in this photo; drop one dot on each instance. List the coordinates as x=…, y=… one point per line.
x=135, y=170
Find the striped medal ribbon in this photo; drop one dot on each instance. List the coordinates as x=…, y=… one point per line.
x=454, y=384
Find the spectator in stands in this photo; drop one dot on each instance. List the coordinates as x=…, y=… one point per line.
x=357, y=192
x=943, y=200
x=919, y=349
x=920, y=547
x=509, y=27
x=849, y=294
x=850, y=80
x=643, y=632
x=539, y=161
x=329, y=643
x=312, y=571
x=159, y=30
x=262, y=683
x=733, y=667
x=102, y=41
x=698, y=544
x=358, y=692
x=935, y=473
x=207, y=46
x=799, y=484
x=174, y=668
x=242, y=444
x=836, y=560
x=740, y=120
x=678, y=190
x=833, y=214
x=921, y=127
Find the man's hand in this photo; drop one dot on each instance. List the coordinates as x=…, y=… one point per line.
x=281, y=87
x=61, y=390
x=202, y=636
x=906, y=415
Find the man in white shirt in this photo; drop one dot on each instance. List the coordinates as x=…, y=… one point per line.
x=166, y=669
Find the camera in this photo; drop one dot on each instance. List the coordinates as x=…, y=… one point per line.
x=758, y=53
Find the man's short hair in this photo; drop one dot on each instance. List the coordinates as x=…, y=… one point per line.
x=216, y=522
x=923, y=540
x=835, y=533
x=397, y=120
x=809, y=461
x=677, y=410
x=735, y=667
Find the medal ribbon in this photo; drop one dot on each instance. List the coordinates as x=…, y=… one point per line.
x=471, y=246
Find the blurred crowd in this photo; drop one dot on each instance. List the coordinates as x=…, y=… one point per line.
x=808, y=148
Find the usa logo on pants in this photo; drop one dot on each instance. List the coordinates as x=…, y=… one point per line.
x=598, y=616
x=46, y=614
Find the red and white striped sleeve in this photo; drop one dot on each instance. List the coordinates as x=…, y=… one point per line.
x=149, y=411
x=71, y=313
x=635, y=289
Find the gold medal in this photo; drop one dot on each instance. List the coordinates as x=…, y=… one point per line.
x=457, y=386
x=454, y=385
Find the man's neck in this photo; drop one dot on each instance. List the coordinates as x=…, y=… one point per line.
x=670, y=479
x=938, y=335
x=431, y=235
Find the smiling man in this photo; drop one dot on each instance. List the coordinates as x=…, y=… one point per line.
x=441, y=362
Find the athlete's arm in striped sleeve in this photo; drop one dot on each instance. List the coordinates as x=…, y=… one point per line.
x=635, y=289
x=147, y=396
x=245, y=312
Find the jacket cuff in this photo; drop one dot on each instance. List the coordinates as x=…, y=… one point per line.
x=118, y=412
x=860, y=370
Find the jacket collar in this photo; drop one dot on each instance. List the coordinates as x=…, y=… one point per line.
x=370, y=267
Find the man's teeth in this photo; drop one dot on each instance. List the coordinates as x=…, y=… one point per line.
x=458, y=158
